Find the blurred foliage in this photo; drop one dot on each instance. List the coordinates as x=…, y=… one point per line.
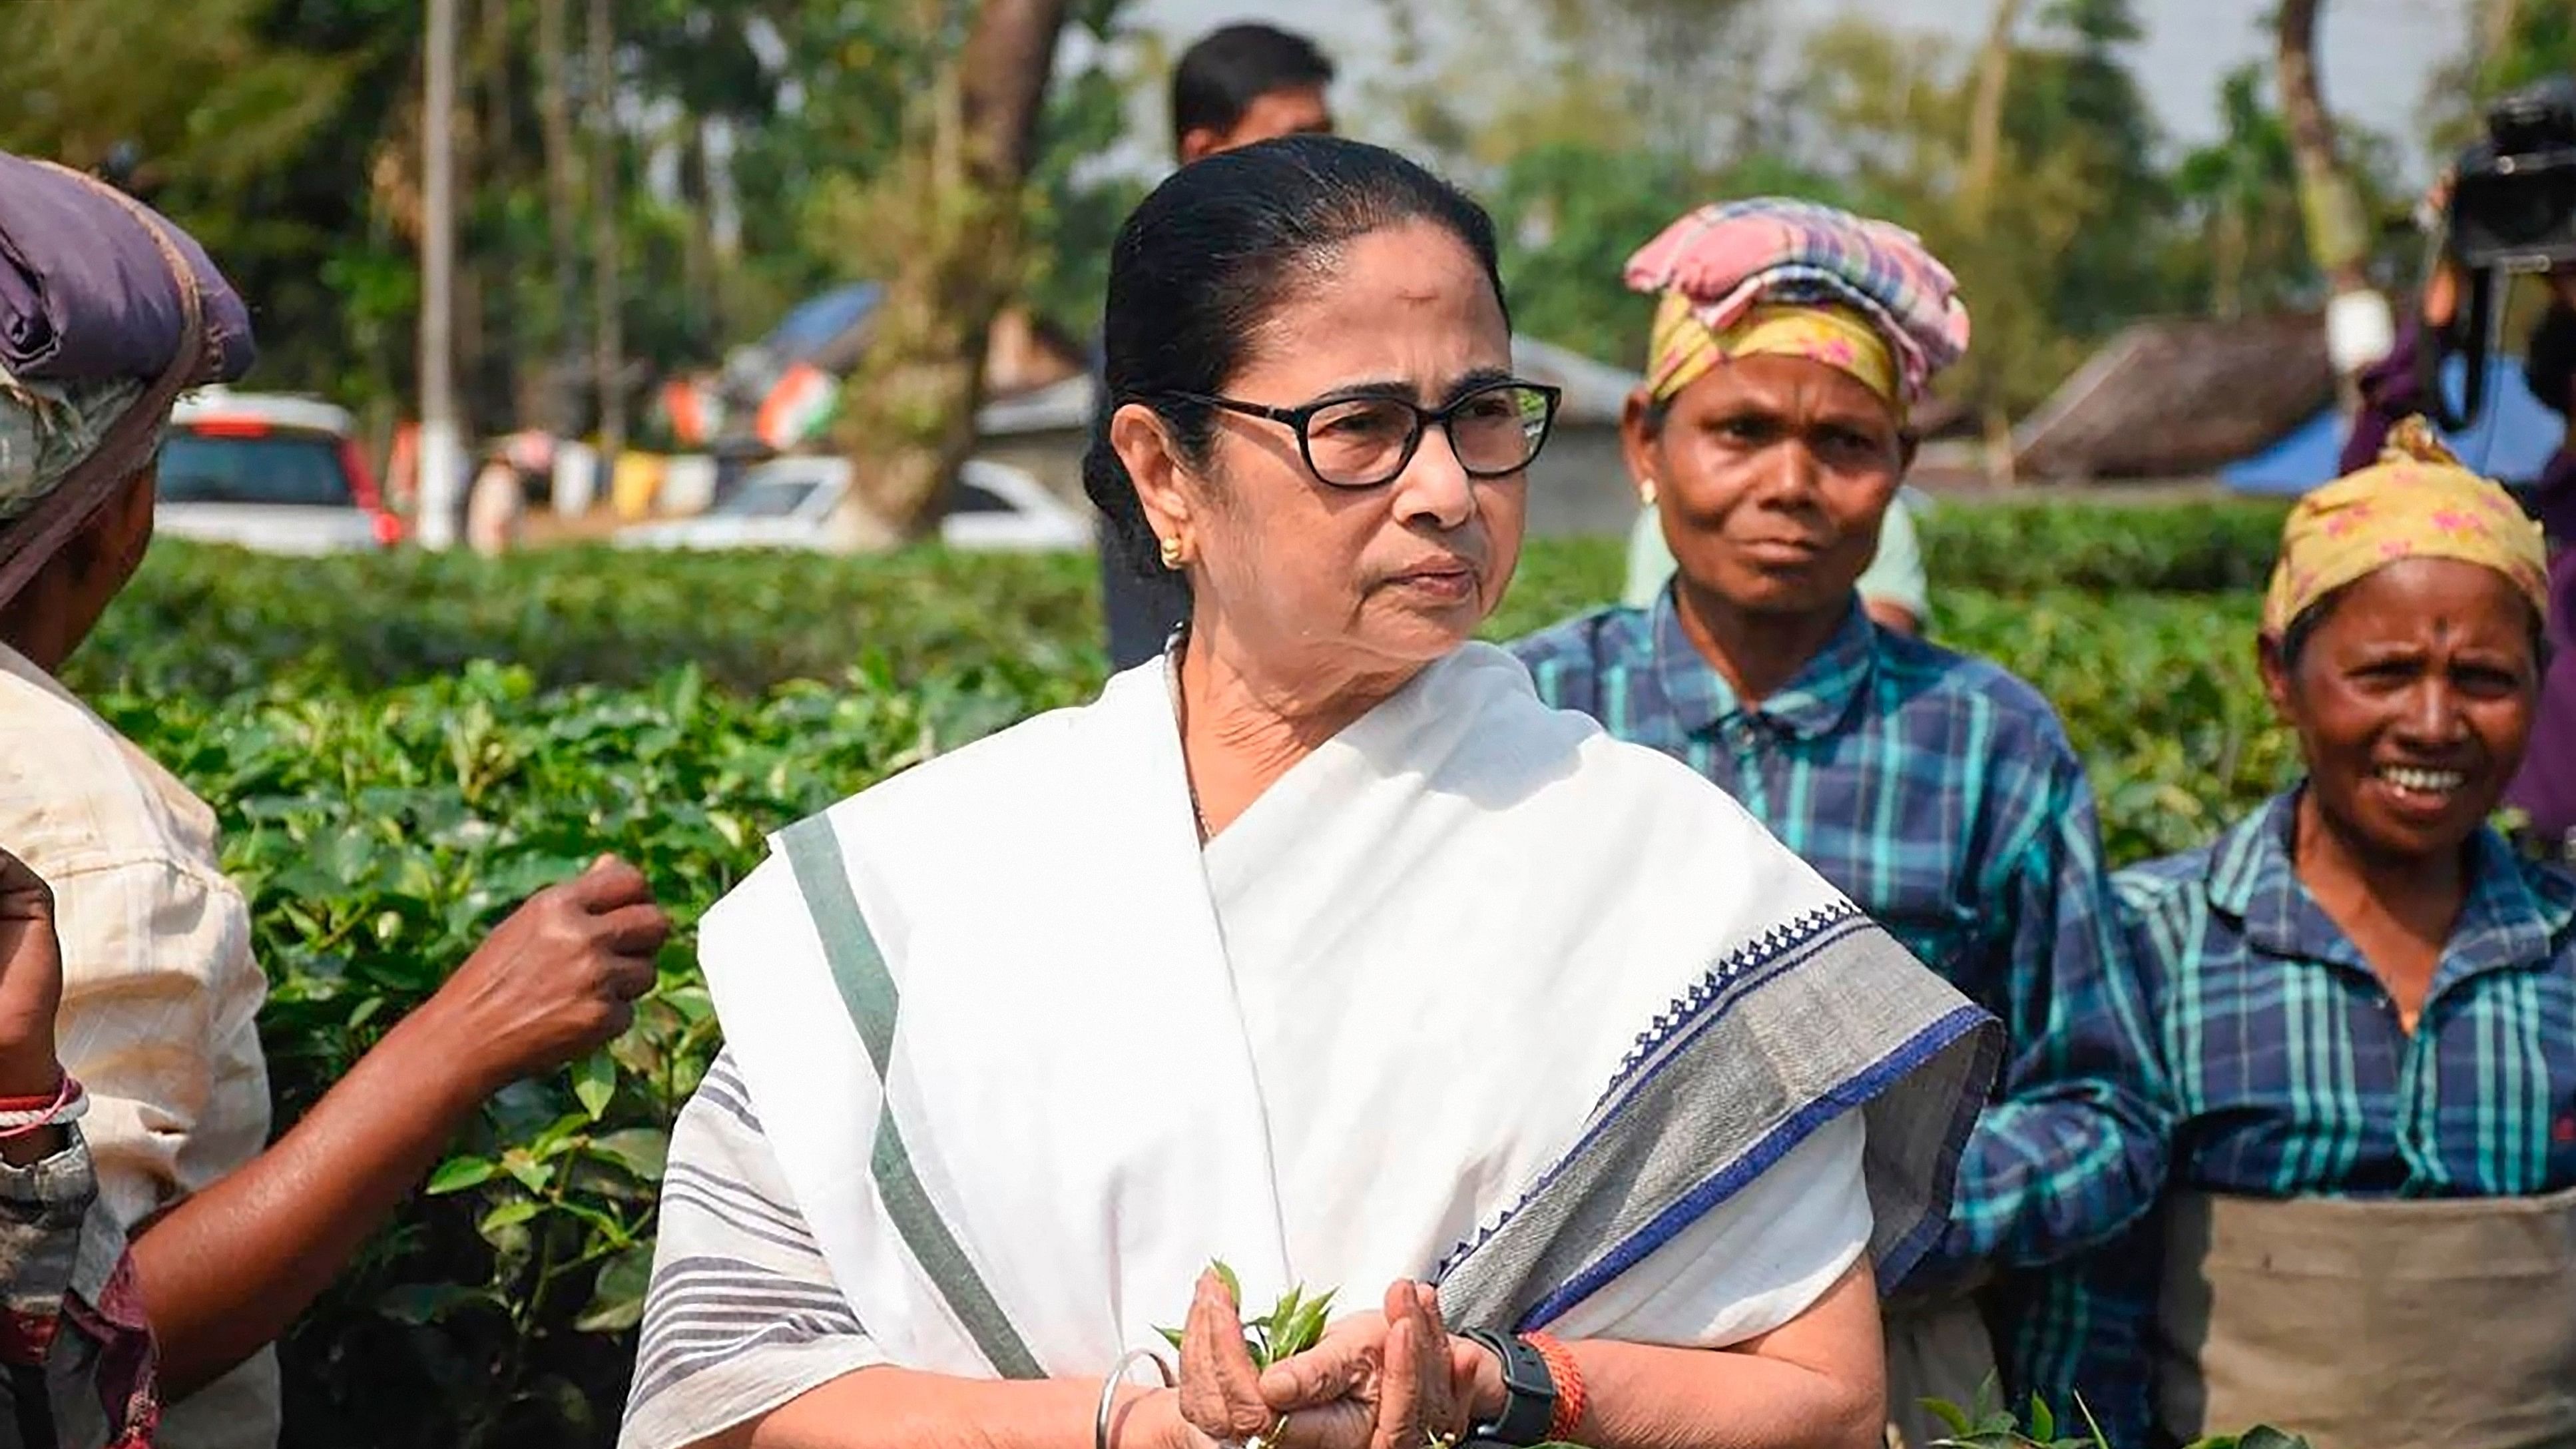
x=285, y=135
x=748, y=133
x=2095, y=218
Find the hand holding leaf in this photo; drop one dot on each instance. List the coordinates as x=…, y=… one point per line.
x=1293, y=1325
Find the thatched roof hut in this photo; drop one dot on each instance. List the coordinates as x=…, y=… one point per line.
x=2179, y=398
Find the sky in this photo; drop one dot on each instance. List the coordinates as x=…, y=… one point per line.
x=2378, y=54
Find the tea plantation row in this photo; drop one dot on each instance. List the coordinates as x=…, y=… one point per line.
x=402, y=748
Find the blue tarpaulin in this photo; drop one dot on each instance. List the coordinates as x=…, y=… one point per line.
x=2512, y=439
x=818, y=322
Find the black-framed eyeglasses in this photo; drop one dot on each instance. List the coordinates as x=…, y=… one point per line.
x=1496, y=429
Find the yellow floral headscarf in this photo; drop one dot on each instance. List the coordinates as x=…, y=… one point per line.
x=1685, y=349
x=2417, y=501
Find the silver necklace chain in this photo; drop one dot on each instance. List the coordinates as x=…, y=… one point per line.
x=1181, y=722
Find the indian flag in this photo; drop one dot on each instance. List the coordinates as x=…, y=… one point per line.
x=798, y=408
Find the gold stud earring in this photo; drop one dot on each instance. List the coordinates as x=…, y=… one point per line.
x=1646, y=492
x=1174, y=553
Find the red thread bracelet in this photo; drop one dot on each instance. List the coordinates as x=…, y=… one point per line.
x=1568, y=1377
x=52, y=1111
x=45, y=1103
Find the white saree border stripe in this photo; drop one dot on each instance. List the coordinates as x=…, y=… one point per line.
x=1433, y=944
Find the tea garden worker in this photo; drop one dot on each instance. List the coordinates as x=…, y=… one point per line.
x=1334, y=955
x=2364, y=1009
x=107, y=312
x=1937, y=791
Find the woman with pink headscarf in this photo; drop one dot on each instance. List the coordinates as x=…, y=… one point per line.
x=1791, y=344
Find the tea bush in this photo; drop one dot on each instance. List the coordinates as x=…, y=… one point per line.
x=402, y=748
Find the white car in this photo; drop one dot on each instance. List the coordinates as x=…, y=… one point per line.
x=785, y=503
x=271, y=472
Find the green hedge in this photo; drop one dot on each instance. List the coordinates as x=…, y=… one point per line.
x=386, y=795
x=210, y=621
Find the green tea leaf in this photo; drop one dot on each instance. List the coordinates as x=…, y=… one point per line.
x=617, y=1299
x=459, y=1173
x=594, y=1081
x=642, y=1151
x=531, y=1174
x=421, y=1303
x=1303, y=1329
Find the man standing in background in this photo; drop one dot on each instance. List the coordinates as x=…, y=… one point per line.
x=1236, y=86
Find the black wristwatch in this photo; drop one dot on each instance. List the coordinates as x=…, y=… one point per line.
x=1529, y=1394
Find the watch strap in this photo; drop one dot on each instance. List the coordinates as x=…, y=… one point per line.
x=1529, y=1393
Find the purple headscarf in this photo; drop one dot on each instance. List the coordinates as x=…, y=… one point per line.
x=107, y=313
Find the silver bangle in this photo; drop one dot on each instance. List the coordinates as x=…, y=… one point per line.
x=1109, y=1391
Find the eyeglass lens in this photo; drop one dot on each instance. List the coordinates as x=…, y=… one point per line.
x=1365, y=441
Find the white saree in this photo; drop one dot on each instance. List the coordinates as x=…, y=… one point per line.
x=1474, y=993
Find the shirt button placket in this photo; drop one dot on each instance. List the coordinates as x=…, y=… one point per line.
x=1744, y=741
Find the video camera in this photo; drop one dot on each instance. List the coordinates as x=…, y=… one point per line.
x=2513, y=209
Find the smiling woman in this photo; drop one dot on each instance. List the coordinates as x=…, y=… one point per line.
x=2364, y=1012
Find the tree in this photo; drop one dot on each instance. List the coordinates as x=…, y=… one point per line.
x=954, y=199
x=1986, y=117
x=1677, y=78
x=2243, y=190
x=1896, y=111
x=2513, y=43
x=1976, y=199
x=2338, y=229
x=1075, y=208
x=563, y=206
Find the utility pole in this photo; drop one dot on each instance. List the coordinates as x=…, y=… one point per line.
x=441, y=454
x=563, y=211
x=608, y=359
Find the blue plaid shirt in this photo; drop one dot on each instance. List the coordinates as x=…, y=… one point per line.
x=1941, y=795
x=2289, y=1074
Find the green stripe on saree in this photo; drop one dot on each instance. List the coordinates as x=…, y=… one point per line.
x=868, y=992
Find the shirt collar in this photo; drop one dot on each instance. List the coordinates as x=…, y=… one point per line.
x=2513, y=917
x=1814, y=702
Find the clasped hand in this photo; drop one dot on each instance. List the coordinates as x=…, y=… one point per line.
x=1394, y=1379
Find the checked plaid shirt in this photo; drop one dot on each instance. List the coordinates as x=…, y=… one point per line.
x=1941, y=795
x=2290, y=1075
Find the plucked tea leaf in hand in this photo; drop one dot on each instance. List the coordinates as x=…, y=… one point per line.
x=1952, y=1415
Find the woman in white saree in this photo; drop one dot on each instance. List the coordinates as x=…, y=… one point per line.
x=1317, y=946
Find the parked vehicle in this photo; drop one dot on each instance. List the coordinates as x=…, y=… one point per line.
x=271, y=472
x=785, y=503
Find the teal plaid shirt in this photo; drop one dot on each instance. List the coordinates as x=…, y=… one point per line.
x=1941, y=795
x=2289, y=1075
